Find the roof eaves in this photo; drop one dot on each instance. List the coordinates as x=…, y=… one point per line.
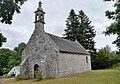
x=75, y=52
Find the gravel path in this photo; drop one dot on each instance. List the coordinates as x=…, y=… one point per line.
x=5, y=79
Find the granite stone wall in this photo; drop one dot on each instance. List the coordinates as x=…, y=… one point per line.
x=72, y=64
x=41, y=51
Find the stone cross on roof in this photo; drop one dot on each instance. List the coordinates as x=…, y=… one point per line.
x=40, y=4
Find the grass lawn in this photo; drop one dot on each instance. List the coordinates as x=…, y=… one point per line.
x=92, y=77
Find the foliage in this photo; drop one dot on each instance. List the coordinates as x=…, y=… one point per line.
x=14, y=60
x=8, y=8
x=20, y=48
x=17, y=78
x=26, y=77
x=88, y=33
x=105, y=58
x=10, y=58
x=72, y=24
x=0, y=77
x=38, y=75
x=92, y=77
x=79, y=28
x=116, y=66
x=114, y=28
x=5, y=76
x=2, y=39
x=4, y=59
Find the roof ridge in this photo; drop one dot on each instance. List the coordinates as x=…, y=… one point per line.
x=62, y=38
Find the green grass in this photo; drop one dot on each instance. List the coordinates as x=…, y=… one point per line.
x=92, y=77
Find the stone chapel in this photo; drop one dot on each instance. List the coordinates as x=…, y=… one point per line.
x=54, y=56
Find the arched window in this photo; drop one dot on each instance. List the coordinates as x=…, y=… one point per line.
x=37, y=17
x=42, y=18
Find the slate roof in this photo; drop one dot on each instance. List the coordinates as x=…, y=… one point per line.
x=68, y=46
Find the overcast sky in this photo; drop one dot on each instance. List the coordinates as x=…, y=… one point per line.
x=56, y=13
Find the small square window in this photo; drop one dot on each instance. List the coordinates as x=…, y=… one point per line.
x=86, y=59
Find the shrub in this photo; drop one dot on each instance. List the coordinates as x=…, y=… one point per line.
x=0, y=76
x=38, y=75
x=5, y=76
x=26, y=77
x=17, y=78
x=116, y=66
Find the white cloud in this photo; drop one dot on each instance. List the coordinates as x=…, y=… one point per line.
x=56, y=13
x=13, y=38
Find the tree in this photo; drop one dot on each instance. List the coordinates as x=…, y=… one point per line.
x=20, y=48
x=72, y=25
x=8, y=8
x=4, y=59
x=2, y=39
x=10, y=58
x=114, y=28
x=105, y=58
x=88, y=33
x=15, y=59
x=79, y=28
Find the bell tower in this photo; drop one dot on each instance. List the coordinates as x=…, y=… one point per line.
x=39, y=17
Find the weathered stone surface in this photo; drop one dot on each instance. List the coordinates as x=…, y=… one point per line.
x=71, y=64
x=40, y=51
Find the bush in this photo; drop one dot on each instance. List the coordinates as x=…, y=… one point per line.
x=26, y=77
x=5, y=76
x=0, y=76
x=17, y=78
x=101, y=62
x=116, y=66
x=38, y=75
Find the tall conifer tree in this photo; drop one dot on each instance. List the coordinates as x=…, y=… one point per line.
x=79, y=28
x=88, y=33
x=72, y=24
